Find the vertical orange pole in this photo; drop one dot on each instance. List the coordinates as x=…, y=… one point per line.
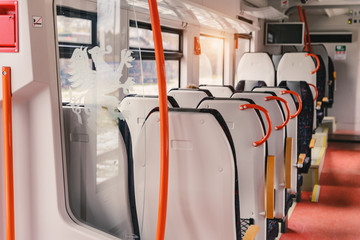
x=307, y=30
x=164, y=121
x=8, y=153
x=302, y=20
x=236, y=37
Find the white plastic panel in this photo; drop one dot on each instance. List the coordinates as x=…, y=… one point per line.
x=135, y=109
x=201, y=178
x=245, y=128
x=298, y=67
x=276, y=143
x=219, y=91
x=256, y=67
x=188, y=98
x=291, y=130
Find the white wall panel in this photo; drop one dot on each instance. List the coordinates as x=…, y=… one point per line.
x=346, y=108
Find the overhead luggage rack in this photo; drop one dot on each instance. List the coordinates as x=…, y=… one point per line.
x=268, y=13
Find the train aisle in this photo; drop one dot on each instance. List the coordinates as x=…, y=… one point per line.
x=336, y=215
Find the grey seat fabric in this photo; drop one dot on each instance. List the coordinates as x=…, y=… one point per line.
x=332, y=74
x=319, y=49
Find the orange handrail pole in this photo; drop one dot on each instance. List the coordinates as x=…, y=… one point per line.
x=164, y=119
x=307, y=30
x=302, y=20
x=300, y=14
x=8, y=153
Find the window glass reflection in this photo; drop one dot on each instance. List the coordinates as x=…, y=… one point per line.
x=211, y=60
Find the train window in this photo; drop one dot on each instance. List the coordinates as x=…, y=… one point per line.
x=211, y=60
x=75, y=28
x=142, y=45
x=95, y=65
x=150, y=87
x=171, y=40
x=243, y=46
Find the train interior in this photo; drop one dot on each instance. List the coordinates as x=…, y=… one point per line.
x=179, y=119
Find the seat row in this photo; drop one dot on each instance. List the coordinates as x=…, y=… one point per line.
x=235, y=159
x=253, y=155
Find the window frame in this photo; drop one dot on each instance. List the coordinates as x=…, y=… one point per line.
x=149, y=53
x=223, y=57
x=67, y=48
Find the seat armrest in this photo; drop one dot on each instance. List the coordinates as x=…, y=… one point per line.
x=318, y=105
x=251, y=232
x=312, y=143
x=270, y=185
x=301, y=160
x=288, y=167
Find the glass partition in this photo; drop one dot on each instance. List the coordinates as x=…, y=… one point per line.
x=142, y=44
x=100, y=64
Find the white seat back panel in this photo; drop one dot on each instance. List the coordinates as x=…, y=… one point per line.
x=187, y=98
x=135, y=110
x=276, y=143
x=219, y=91
x=201, y=178
x=298, y=67
x=256, y=67
x=245, y=128
x=291, y=129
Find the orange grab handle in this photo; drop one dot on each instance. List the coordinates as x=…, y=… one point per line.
x=254, y=106
x=317, y=62
x=8, y=154
x=299, y=100
x=164, y=120
x=287, y=110
x=316, y=91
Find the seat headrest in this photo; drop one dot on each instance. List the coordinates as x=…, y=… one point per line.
x=296, y=67
x=256, y=66
x=219, y=91
x=189, y=98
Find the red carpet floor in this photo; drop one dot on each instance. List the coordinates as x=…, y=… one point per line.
x=337, y=214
